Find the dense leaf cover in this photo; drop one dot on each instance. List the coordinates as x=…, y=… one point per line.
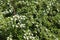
x=29, y=19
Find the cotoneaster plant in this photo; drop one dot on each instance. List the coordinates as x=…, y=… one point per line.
x=29, y=20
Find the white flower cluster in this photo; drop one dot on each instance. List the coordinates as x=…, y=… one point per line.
x=16, y=17
x=19, y=25
x=8, y=11
x=19, y=17
x=28, y=35
x=22, y=17
x=10, y=37
x=22, y=25
x=1, y=3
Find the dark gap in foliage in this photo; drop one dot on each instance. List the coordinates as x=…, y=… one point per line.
x=24, y=11
x=32, y=27
x=8, y=15
x=15, y=37
x=21, y=5
x=44, y=6
x=38, y=21
x=3, y=35
x=58, y=1
x=37, y=8
x=38, y=33
x=34, y=15
x=56, y=32
x=49, y=18
x=53, y=12
x=17, y=21
x=49, y=14
x=43, y=38
x=57, y=25
x=44, y=24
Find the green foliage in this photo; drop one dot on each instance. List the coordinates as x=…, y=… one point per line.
x=29, y=19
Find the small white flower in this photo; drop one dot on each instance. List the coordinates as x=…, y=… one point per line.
x=16, y=25
x=36, y=25
x=24, y=37
x=19, y=1
x=54, y=36
x=56, y=39
x=8, y=3
x=11, y=18
x=35, y=31
x=10, y=37
x=22, y=25
x=33, y=37
x=59, y=21
x=1, y=1
x=32, y=34
x=50, y=4
x=22, y=1
x=36, y=2
x=58, y=10
x=6, y=11
x=27, y=38
x=48, y=11
x=13, y=25
x=0, y=27
x=50, y=35
x=30, y=37
x=25, y=34
x=15, y=19
x=21, y=18
x=44, y=11
x=28, y=30
x=48, y=8
x=57, y=3
x=33, y=22
x=10, y=11
x=7, y=38
x=29, y=33
x=24, y=30
x=46, y=29
x=17, y=16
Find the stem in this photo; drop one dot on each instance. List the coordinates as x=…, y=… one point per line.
x=13, y=5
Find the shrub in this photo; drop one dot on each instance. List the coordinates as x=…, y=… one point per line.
x=29, y=19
